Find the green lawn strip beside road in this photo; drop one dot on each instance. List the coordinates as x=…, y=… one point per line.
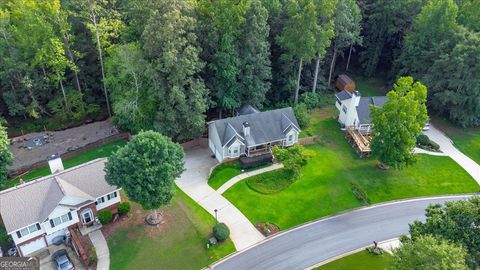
x=466, y=140
x=362, y=260
x=226, y=171
x=325, y=187
x=99, y=152
x=181, y=244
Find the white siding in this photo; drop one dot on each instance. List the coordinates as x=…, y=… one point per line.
x=107, y=202
x=59, y=211
x=294, y=135
x=214, y=142
x=27, y=237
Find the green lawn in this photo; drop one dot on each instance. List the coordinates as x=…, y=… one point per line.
x=466, y=140
x=370, y=86
x=100, y=152
x=360, y=261
x=325, y=187
x=182, y=244
x=226, y=171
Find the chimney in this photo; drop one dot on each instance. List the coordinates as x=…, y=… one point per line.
x=55, y=163
x=246, y=129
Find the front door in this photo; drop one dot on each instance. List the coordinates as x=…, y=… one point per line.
x=87, y=216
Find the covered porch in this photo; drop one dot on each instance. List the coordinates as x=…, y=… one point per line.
x=259, y=150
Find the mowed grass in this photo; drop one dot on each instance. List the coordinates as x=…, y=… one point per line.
x=466, y=140
x=360, y=261
x=99, y=152
x=325, y=186
x=182, y=245
x=370, y=86
x=226, y=171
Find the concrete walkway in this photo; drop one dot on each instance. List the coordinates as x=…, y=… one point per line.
x=242, y=176
x=447, y=147
x=193, y=182
x=101, y=247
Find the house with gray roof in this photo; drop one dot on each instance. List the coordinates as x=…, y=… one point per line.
x=252, y=132
x=354, y=110
x=37, y=214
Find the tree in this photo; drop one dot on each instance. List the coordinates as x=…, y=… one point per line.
x=468, y=11
x=300, y=45
x=456, y=221
x=384, y=28
x=398, y=122
x=221, y=21
x=171, y=47
x=6, y=156
x=255, y=72
x=293, y=158
x=429, y=253
x=132, y=101
x=325, y=12
x=455, y=88
x=347, y=20
x=146, y=169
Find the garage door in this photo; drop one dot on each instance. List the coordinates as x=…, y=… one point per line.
x=33, y=246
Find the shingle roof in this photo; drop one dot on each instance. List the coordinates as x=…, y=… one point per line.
x=247, y=109
x=343, y=95
x=33, y=201
x=363, y=108
x=265, y=127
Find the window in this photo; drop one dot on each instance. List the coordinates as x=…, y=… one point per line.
x=61, y=219
x=100, y=200
x=344, y=109
x=111, y=195
x=290, y=137
x=28, y=230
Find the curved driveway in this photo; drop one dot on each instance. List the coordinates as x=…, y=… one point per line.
x=316, y=242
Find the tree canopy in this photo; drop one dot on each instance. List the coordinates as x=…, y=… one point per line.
x=5, y=155
x=398, y=122
x=146, y=169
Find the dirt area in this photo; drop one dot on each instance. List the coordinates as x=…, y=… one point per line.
x=137, y=217
x=267, y=228
x=57, y=142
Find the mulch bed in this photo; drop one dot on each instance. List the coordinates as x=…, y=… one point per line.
x=267, y=228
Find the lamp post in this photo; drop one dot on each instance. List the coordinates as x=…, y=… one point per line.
x=216, y=219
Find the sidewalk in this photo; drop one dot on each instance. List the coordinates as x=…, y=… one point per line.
x=242, y=176
x=193, y=182
x=101, y=247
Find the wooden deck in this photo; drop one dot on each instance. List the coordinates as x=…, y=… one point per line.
x=360, y=140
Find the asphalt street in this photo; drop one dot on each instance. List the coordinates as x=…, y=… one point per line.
x=316, y=242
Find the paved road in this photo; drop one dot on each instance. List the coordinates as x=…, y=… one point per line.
x=447, y=147
x=193, y=182
x=316, y=242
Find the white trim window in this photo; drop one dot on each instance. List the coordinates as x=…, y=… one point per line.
x=100, y=200
x=111, y=195
x=28, y=230
x=61, y=219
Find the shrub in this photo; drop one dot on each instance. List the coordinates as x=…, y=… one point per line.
x=423, y=139
x=434, y=146
x=301, y=113
x=359, y=193
x=221, y=232
x=105, y=216
x=375, y=250
x=293, y=158
x=5, y=239
x=124, y=208
x=311, y=100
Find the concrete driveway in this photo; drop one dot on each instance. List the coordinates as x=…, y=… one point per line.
x=193, y=182
x=447, y=147
x=316, y=242
x=47, y=263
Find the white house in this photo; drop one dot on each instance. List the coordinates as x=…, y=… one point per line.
x=38, y=212
x=252, y=132
x=354, y=110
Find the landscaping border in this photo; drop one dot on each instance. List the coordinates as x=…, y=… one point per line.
x=117, y=137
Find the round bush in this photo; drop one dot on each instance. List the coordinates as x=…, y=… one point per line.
x=423, y=139
x=221, y=232
x=104, y=216
x=434, y=146
x=124, y=208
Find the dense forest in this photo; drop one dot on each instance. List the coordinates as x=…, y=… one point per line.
x=165, y=64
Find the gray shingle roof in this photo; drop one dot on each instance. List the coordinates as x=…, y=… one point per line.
x=343, y=95
x=33, y=201
x=363, y=108
x=247, y=109
x=265, y=127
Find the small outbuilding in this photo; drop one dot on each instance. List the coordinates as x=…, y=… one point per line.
x=344, y=82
